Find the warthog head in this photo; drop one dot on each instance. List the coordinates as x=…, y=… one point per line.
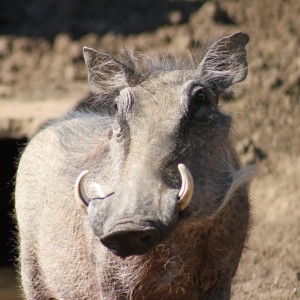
x=169, y=158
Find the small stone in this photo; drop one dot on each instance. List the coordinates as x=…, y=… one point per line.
x=5, y=46
x=221, y=15
x=5, y=91
x=277, y=83
x=62, y=43
x=175, y=17
x=295, y=291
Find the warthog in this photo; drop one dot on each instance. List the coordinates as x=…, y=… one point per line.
x=143, y=196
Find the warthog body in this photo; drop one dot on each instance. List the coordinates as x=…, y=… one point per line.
x=140, y=238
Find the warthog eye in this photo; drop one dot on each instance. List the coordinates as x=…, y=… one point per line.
x=199, y=96
x=201, y=109
x=198, y=100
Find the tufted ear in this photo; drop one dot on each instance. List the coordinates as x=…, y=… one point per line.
x=225, y=62
x=106, y=74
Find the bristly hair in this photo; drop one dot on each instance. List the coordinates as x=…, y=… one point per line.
x=138, y=68
x=223, y=65
x=142, y=66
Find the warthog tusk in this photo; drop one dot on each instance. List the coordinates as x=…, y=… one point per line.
x=80, y=196
x=187, y=187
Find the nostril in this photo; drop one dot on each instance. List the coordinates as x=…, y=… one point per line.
x=125, y=243
x=146, y=239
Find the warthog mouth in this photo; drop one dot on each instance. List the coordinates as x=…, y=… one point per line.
x=126, y=236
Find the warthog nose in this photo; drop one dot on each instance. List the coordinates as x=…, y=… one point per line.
x=130, y=242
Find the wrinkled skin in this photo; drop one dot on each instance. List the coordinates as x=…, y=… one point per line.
x=134, y=242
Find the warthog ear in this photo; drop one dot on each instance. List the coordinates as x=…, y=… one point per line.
x=225, y=62
x=106, y=74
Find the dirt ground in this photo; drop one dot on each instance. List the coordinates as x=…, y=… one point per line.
x=42, y=76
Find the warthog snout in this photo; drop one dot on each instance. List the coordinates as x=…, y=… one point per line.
x=129, y=222
x=133, y=226
x=127, y=240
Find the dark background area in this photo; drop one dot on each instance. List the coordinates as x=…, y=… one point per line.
x=9, y=153
x=47, y=18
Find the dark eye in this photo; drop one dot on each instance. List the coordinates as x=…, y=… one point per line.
x=198, y=99
x=199, y=95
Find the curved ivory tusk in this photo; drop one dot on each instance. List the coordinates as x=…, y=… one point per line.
x=80, y=195
x=187, y=187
